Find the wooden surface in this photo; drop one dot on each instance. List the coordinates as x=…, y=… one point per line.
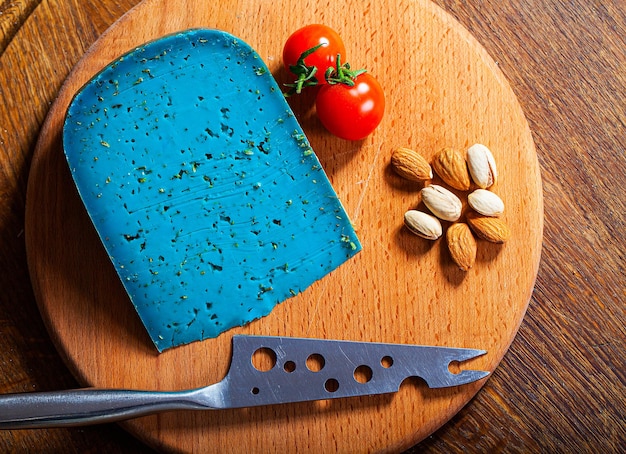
x=560, y=388
x=399, y=289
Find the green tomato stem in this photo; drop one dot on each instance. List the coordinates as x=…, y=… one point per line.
x=342, y=74
x=304, y=72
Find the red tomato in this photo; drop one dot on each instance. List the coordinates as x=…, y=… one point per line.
x=323, y=58
x=351, y=113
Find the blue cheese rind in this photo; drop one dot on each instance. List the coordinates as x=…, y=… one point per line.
x=202, y=186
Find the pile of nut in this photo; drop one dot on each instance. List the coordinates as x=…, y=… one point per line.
x=457, y=171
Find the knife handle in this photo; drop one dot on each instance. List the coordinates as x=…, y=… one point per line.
x=86, y=406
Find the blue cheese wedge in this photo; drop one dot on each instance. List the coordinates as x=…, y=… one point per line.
x=202, y=186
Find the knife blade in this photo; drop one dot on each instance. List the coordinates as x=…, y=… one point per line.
x=264, y=370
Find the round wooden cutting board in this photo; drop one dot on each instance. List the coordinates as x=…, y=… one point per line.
x=442, y=89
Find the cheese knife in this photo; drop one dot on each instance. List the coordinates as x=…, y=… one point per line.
x=264, y=370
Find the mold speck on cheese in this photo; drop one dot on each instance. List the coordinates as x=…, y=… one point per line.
x=202, y=186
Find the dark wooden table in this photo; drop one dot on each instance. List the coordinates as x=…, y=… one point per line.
x=562, y=385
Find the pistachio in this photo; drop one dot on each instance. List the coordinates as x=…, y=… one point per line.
x=423, y=224
x=442, y=203
x=486, y=202
x=482, y=166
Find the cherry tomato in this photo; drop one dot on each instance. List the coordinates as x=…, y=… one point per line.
x=323, y=58
x=351, y=113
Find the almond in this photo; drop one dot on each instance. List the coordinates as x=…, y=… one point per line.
x=411, y=165
x=462, y=245
x=482, y=165
x=489, y=228
x=451, y=167
x=423, y=224
x=442, y=203
x=486, y=202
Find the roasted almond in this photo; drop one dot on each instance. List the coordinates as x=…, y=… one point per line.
x=423, y=224
x=482, y=165
x=411, y=165
x=442, y=203
x=486, y=202
x=451, y=167
x=462, y=245
x=489, y=228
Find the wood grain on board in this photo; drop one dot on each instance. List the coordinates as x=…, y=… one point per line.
x=401, y=288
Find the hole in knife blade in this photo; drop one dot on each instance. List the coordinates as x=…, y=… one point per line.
x=255, y=390
x=363, y=373
x=454, y=367
x=331, y=385
x=414, y=382
x=264, y=359
x=386, y=362
x=289, y=366
x=315, y=362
